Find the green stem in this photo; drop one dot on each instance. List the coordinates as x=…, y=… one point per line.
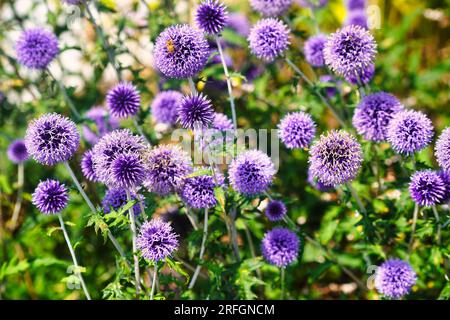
x=202, y=251
x=155, y=272
x=436, y=215
x=18, y=205
x=413, y=227
x=282, y=279
x=134, y=235
x=66, y=97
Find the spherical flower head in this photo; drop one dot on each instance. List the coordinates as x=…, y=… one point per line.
x=157, y=240
x=271, y=8
x=275, y=210
x=52, y=138
x=50, y=196
x=268, y=39
x=221, y=127
x=427, y=188
x=221, y=122
x=442, y=150
x=239, y=23
x=330, y=80
x=198, y=192
x=17, y=151
x=251, y=172
x=335, y=158
x=123, y=100
x=357, y=18
x=36, y=48
x=109, y=148
x=409, y=131
x=313, y=49
x=181, y=52
x=280, y=247
x=355, y=4
x=373, y=115
x=316, y=184
x=363, y=77
x=395, y=278
x=167, y=166
x=116, y=198
x=445, y=176
x=195, y=111
x=350, y=50
x=211, y=16
x=297, y=130
x=165, y=106
x=313, y=4
x=128, y=171
x=87, y=166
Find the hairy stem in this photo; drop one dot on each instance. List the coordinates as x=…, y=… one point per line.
x=155, y=271
x=234, y=236
x=202, y=251
x=436, y=215
x=191, y=219
x=18, y=205
x=140, y=131
x=134, y=235
x=66, y=97
x=282, y=280
x=413, y=227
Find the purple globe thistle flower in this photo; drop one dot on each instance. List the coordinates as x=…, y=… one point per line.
x=364, y=76
x=445, y=176
x=313, y=49
x=52, y=138
x=87, y=166
x=395, y=278
x=350, y=50
x=165, y=106
x=251, y=172
x=297, y=130
x=17, y=151
x=104, y=123
x=427, y=188
x=271, y=8
x=215, y=135
x=335, y=158
x=275, y=210
x=157, y=240
x=442, y=150
x=211, y=16
x=198, y=192
x=316, y=184
x=355, y=4
x=280, y=247
x=128, y=171
x=181, y=52
x=313, y=4
x=239, y=23
x=36, y=48
x=111, y=147
x=195, y=111
x=123, y=100
x=409, y=131
x=116, y=198
x=328, y=79
x=268, y=39
x=357, y=18
x=221, y=122
x=168, y=165
x=50, y=196
x=374, y=113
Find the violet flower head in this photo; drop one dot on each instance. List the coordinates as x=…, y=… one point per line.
x=195, y=111
x=427, y=188
x=335, y=158
x=211, y=16
x=123, y=100
x=221, y=122
x=316, y=184
x=87, y=166
x=275, y=210
x=251, y=172
x=239, y=23
x=297, y=130
x=395, y=278
x=116, y=198
x=442, y=150
x=350, y=50
x=50, y=196
x=445, y=176
x=181, y=52
x=313, y=49
x=103, y=123
x=52, y=138
x=128, y=171
x=373, y=114
x=271, y=8
x=165, y=106
x=36, y=48
x=409, y=131
x=17, y=151
x=198, y=192
x=355, y=4
x=167, y=166
x=268, y=39
x=280, y=247
x=157, y=240
x=357, y=18
x=363, y=77
x=111, y=147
